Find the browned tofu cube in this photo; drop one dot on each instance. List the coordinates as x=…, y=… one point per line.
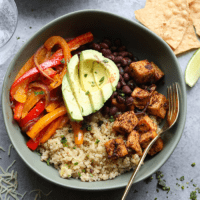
x=145, y=138
x=121, y=150
x=158, y=146
x=146, y=124
x=133, y=142
x=116, y=148
x=158, y=105
x=126, y=122
x=142, y=71
x=140, y=97
x=158, y=72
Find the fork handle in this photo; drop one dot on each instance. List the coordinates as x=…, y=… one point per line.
x=138, y=167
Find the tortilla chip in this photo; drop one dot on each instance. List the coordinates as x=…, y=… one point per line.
x=190, y=40
x=167, y=18
x=194, y=6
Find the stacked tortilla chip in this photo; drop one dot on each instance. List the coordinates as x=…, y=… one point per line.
x=173, y=20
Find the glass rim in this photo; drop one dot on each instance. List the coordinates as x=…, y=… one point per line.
x=15, y=7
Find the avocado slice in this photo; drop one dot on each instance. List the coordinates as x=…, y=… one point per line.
x=82, y=97
x=88, y=82
x=70, y=101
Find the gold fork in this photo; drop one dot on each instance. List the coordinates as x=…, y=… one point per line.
x=172, y=116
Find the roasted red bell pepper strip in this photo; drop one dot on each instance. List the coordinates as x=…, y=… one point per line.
x=35, y=112
x=18, y=110
x=80, y=40
x=33, y=144
x=55, y=61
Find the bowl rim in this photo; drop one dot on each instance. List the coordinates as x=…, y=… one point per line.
x=184, y=112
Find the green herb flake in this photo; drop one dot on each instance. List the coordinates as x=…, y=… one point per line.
x=95, y=72
x=83, y=170
x=155, y=198
x=195, y=185
x=111, y=119
x=182, y=178
x=76, y=163
x=48, y=160
x=18, y=38
x=182, y=187
x=37, y=93
x=88, y=156
x=193, y=164
x=101, y=80
x=97, y=141
x=148, y=180
x=157, y=190
x=85, y=75
x=89, y=128
x=198, y=189
x=159, y=175
x=39, y=153
x=62, y=61
x=193, y=195
x=79, y=174
x=105, y=61
x=91, y=175
x=74, y=147
x=64, y=141
x=87, y=93
x=69, y=166
x=30, y=27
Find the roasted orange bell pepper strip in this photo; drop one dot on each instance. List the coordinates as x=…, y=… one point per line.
x=45, y=120
x=63, y=122
x=52, y=106
x=18, y=110
x=52, y=129
x=49, y=44
x=78, y=133
x=80, y=40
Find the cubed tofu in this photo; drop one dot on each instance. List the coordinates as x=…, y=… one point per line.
x=142, y=71
x=158, y=72
x=133, y=142
x=146, y=124
x=158, y=105
x=126, y=122
x=158, y=146
x=140, y=97
x=145, y=138
x=116, y=148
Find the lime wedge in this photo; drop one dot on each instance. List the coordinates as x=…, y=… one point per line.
x=192, y=72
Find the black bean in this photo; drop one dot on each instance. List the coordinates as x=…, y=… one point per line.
x=123, y=83
x=122, y=48
x=107, y=41
x=106, y=110
x=115, y=53
x=111, y=57
x=113, y=110
x=129, y=61
x=121, y=70
x=104, y=45
x=96, y=46
x=120, y=99
x=123, y=53
x=117, y=42
x=131, y=84
x=126, y=77
x=126, y=70
x=115, y=94
x=106, y=52
x=130, y=55
x=126, y=89
x=129, y=101
x=113, y=48
x=118, y=59
x=119, y=65
x=118, y=85
x=120, y=77
x=124, y=62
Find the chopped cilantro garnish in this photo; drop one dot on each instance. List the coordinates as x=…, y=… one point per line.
x=39, y=153
x=85, y=75
x=198, y=189
x=101, y=80
x=74, y=147
x=87, y=93
x=193, y=164
x=62, y=61
x=112, y=119
x=64, y=141
x=159, y=174
x=97, y=141
x=48, y=160
x=105, y=61
x=91, y=175
x=193, y=195
x=155, y=199
x=195, y=185
x=182, y=178
x=40, y=92
x=83, y=170
x=95, y=72
x=76, y=163
x=148, y=180
x=18, y=38
x=79, y=174
x=182, y=187
x=88, y=156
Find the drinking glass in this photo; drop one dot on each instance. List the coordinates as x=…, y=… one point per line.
x=8, y=24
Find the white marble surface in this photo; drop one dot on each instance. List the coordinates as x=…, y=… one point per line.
x=35, y=14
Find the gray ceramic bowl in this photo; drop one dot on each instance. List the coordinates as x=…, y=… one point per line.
x=139, y=40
